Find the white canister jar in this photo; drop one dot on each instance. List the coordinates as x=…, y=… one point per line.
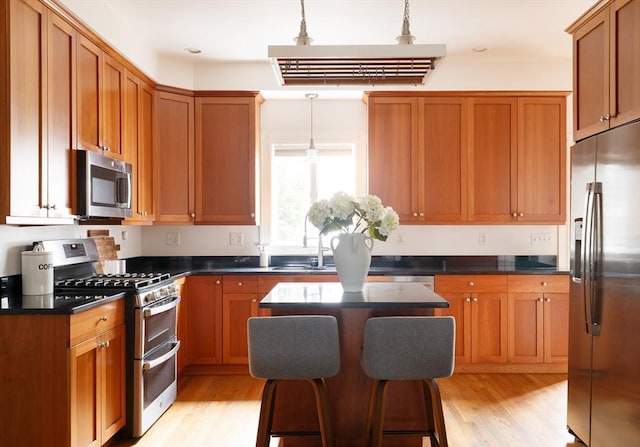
x=37, y=271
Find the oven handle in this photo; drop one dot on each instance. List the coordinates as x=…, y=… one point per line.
x=153, y=363
x=151, y=311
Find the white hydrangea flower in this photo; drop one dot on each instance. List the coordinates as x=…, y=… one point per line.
x=371, y=207
x=320, y=214
x=342, y=205
x=389, y=221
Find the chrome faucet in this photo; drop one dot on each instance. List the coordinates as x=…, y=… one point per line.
x=305, y=243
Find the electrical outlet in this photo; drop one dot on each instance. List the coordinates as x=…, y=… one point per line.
x=172, y=239
x=482, y=239
x=236, y=239
x=540, y=238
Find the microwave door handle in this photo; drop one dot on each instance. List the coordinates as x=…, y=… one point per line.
x=163, y=358
x=163, y=308
x=124, y=182
x=587, y=241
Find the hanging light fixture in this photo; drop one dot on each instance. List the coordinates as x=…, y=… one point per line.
x=312, y=152
x=305, y=64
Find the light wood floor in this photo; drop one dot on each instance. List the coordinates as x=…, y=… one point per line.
x=481, y=410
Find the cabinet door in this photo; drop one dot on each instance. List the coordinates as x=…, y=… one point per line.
x=556, y=327
x=625, y=61
x=112, y=98
x=526, y=322
x=443, y=142
x=85, y=398
x=89, y=61
x=112, y=370
x=204, y=319
x=173, y=161
x=28, y=119
x=489, y=327
x=237, y=308
x=61, y=112
x=460, y=309
x=542, y=154
x=226, y=154
x=492, y=159
x=393, y=155
x=145, y=154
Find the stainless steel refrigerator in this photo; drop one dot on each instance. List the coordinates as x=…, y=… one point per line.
x=604, y=314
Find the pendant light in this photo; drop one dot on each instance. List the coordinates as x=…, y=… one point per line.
x=312, y=152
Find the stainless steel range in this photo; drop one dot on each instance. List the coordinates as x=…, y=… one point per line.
x=152, y=301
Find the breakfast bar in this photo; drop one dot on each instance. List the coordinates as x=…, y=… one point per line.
x=350, y=389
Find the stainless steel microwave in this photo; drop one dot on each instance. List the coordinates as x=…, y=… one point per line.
x=103, y=185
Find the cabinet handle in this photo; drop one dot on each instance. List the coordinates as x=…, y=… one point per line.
x=540, y=300
x=471, y=283
x=514, y=214
x=104, y=344
x=254, y=300
x=103, y=318
x=543, y=284
x=475, y=300
x=521, y=214
x=468, y=300
x=239, y=283
x=193, y=215
x=252, y=214
x=421, y=214
x=217, y=281
x=548, y=300
x=415, y=214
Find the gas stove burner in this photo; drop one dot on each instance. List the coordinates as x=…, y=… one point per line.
x=115, y=280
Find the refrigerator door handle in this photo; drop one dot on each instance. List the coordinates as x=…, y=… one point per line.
x=586, y=262
x=596, y=258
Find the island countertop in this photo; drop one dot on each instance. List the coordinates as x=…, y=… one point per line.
x=374, y=295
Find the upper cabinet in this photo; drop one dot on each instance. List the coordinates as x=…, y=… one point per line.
x=457, y=157
x=37, y=83
x=606, y=67
x=206, y=157
x=100, y=99
x=226, y=157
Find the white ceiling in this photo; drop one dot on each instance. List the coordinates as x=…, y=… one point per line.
x=241, y=30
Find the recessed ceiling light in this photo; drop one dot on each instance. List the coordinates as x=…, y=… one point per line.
x=479, y=49
x=193, y=50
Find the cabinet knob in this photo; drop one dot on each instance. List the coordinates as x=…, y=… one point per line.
x=548, y=300
x=468, y=300
x=421, y=214
x=475, y=300
x=514, y=214
x=217, y=281
x=540, y=299
x=103, y=318
x=520, y=214
x=415, y=214
x=254, y=300
x=543, y=284
x=193, y=215
x=252, y=214
x=471, y=283
x=239, y=283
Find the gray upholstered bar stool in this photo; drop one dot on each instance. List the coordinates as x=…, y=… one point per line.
x=408, y=348
x=293, y=347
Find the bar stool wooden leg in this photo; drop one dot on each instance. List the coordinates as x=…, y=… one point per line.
x=322, y=406
x=435, y=414
x=376, y=412
x=266, y=413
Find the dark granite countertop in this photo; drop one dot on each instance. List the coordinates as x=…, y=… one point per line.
x=375, y=295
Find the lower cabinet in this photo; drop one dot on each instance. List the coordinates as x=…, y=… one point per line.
x=63, y=377
x=508, y=323
x=98, y=405
x=538, y=318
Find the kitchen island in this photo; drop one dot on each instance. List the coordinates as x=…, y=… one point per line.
x=350, y=389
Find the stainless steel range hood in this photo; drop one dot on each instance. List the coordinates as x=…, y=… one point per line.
x=354, y=64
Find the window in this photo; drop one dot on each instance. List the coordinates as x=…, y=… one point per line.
x=299, y=178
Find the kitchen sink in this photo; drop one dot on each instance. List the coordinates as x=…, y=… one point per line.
x=298, y=267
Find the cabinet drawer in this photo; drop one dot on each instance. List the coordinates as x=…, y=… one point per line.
x=95, y=321
x=538, y=283
x=471, y=283
x=268, y=282
x=239, y=284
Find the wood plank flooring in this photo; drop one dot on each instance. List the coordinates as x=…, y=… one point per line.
x=481, y=410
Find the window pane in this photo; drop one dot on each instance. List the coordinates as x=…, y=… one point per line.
x=291, y=188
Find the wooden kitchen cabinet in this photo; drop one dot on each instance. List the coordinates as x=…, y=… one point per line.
x=479, y=305
x=36, y=138
x=469, y=158
x=226, y=154
x=606, y=67
x=174, y=187
x=137, y=139
x=538, y=312
x=417, y=156
x=100, y=97
x=202, y=306
x=72, y=382
x=239, y=303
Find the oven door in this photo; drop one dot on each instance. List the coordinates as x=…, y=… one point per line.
x=155, y=385
x=155, y=325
